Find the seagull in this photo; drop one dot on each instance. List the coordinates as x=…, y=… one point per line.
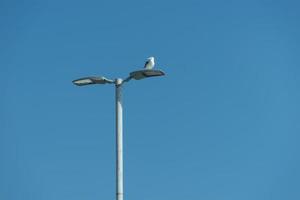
x=149, y=63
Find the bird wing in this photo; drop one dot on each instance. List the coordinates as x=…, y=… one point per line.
x=147, y=62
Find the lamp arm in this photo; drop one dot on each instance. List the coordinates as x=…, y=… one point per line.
x=127, y=79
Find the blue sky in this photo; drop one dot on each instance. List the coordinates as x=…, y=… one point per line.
x=222, y=125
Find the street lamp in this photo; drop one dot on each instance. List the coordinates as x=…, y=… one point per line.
x=137, y=75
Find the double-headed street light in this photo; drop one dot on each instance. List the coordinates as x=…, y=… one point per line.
x=137, y=75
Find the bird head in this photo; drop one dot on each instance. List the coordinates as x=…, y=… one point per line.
x=151, y=58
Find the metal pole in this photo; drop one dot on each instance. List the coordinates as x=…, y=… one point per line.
x=119, y=139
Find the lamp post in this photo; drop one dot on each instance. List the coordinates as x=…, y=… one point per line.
x=137, y=75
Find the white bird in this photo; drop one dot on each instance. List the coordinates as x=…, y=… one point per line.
x=149, y=63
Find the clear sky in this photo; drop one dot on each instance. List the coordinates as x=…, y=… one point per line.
x=222, y=125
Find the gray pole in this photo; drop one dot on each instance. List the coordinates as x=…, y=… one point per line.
x=119, y=139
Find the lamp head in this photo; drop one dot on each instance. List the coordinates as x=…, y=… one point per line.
x=146, y=73
x=92, y=80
